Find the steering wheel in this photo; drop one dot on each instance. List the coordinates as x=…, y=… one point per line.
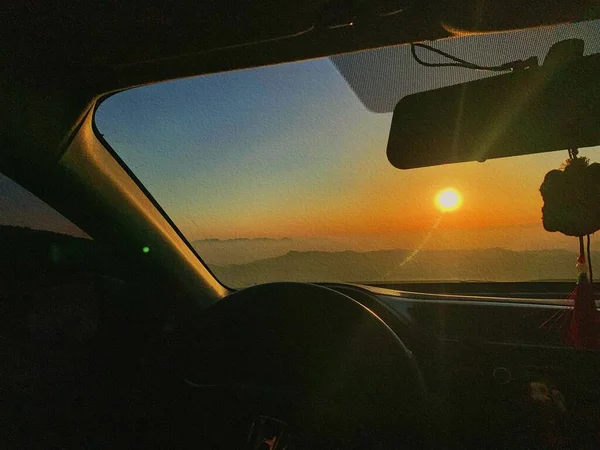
x=294, y=365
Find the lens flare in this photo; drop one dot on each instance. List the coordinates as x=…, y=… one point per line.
x=448, y=200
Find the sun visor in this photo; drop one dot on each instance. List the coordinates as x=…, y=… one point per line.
x=381, y=77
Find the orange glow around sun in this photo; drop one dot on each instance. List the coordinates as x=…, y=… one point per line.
x=448, y=200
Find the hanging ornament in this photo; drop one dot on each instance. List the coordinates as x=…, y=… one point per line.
x=572, y=206
x=572, y=197
x=584, y=326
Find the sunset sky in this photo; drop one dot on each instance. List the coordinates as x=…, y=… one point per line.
x=290, y=151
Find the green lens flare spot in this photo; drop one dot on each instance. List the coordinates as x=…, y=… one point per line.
x=146, y=249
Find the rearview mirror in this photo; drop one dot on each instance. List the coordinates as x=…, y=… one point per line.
x=540, y=109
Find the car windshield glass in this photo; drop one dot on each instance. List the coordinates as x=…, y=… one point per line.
x=280, y=173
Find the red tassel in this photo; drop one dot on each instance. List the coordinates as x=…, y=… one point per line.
x=584, y=328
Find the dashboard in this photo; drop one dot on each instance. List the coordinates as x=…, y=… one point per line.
x=497, y=364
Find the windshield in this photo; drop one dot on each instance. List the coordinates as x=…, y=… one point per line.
x=280, y=173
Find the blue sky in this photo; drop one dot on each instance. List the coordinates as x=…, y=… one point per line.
x=289, y=150
x=218, y=140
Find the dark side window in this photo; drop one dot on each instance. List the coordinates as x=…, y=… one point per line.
x=37, y=244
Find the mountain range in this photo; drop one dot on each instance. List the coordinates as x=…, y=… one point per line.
x=244, y=250
x=494, y=264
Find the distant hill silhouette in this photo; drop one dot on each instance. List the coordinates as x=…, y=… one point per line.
x=244, y=250
x=493, y=264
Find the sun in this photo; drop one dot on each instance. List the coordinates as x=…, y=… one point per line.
x=448, y=199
